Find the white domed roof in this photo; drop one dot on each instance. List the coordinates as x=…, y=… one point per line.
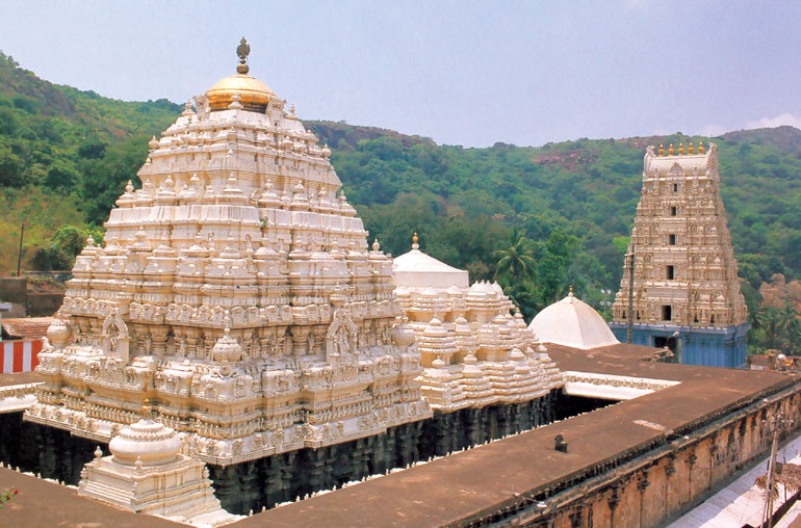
x=574, y=323
x=151, y=442
x=415, y=269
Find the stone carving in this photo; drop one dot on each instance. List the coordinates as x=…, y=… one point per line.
x=689, y=249
x=473, y=350
x=235, y=278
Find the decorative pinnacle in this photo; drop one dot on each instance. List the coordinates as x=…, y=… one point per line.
x=147, y=410
x=242, y=51
x=415, y=240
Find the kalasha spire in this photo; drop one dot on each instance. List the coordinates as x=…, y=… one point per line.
x=243, y=50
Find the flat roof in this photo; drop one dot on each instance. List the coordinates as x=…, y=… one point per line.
x=43, y=503
x=469, y=485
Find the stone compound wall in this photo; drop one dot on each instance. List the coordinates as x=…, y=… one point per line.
x=657, y=487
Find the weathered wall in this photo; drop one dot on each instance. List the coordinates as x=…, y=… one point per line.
x=659, y=486
x=44, y=304
x=15, y=291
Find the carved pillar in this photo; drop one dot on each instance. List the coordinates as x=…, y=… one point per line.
x=473, y=426
x=249, y=486
x=275, y=487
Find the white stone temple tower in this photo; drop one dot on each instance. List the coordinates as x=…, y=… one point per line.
x=686, y=293
x=236, y=292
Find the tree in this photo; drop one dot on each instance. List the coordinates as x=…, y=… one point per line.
x=788, y=326
x=556, y=255
x=515, y=269
x=515, y=263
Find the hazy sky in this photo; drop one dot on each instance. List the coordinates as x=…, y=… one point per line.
x=461, y=72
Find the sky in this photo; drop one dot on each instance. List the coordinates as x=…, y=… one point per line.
x=468, y=73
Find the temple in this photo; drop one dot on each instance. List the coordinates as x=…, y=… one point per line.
x=237, y=345
x=473, y=350
x=680, y=287
x=237, y=293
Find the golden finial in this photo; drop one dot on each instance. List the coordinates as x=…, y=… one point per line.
x=690, y=148
x=415, y=240
x=661, y=149
x=681, y=149
x=700, y=147
x=147, y=410
x=670, y=150
x=243, y=50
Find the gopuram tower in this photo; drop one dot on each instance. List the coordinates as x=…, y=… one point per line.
x=236, y=293
x=686, y=293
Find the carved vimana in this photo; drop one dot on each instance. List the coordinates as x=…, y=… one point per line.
x=236, y=292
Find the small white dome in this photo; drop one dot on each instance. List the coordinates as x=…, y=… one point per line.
x=151, y=442
x=415, y=269
x=574, y=323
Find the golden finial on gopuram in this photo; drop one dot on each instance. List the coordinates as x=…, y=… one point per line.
x=243, y=50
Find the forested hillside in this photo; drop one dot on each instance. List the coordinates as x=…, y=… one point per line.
x=465, y=202
x=65, y=155
x=537, y=218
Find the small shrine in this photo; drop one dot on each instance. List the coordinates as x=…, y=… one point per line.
x=146, y=473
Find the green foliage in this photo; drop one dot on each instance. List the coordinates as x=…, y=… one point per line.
x=65, y=156
x=516, y=261
x=585, y=191
x=777, y=329
x=66, y=244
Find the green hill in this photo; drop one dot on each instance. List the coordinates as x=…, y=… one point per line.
x=587, y=189
x=66, y=154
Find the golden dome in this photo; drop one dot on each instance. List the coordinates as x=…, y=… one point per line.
x=253, y=94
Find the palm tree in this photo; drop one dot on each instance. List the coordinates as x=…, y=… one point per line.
x=788, y=326
x=769, y=322
x=515, y=263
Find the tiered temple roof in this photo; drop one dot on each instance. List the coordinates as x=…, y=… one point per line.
x=474, y=350
x=236, y=292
